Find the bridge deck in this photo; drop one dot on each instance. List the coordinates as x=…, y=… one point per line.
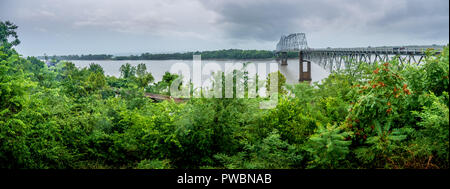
x=417, y=50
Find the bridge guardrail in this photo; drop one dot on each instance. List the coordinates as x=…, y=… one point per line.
x=380, y=50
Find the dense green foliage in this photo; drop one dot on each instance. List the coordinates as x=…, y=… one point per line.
x=384, y=115
x=7, y=30
x=217, y=54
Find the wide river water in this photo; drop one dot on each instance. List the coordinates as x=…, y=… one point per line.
x=159, y=67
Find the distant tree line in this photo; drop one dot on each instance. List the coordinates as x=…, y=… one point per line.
x=80, y=57
x=217, y=54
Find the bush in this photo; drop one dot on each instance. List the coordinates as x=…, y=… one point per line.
x=270, y=153
x=328, y=147
x=154, y=164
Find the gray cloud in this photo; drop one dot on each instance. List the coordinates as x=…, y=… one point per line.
x=266, y=20
x=420, y=19
x=108, y=26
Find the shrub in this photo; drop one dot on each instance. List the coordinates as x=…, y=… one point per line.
x=328, y=147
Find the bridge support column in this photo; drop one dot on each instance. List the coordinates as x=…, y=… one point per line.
x=305, y=69
x=284, y=58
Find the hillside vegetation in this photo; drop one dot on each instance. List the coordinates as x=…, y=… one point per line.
x=385, y=115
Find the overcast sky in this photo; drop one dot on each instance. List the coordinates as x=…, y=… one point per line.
x=136, y=26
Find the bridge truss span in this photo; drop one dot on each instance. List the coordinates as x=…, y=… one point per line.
x=338, y=58
x=292, y=43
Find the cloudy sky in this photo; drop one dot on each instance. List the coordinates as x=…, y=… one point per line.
x=136, y=26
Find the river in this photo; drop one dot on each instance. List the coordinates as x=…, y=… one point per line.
x=159, y=67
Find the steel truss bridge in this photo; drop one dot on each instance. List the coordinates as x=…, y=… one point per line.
x=342, y=58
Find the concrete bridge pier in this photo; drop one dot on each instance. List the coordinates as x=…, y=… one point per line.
x=305, y=68
x=284, y=58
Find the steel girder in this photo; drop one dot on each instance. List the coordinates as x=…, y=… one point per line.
x=339, y=58
x=292, y=43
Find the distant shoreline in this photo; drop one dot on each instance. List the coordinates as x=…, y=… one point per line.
x=229, y=54
x=182, y=59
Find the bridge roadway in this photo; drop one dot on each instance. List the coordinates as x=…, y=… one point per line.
x=394, y=50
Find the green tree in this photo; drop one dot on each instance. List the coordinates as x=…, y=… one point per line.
x=329, y=146
x=127, y=71
x=7, y=30
x=281, y=82
x=96, y=68
x=96, y=81
x=143, y=78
